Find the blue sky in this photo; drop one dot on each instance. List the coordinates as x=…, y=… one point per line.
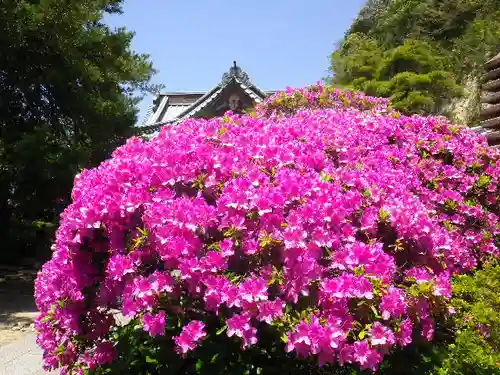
x=279, y=43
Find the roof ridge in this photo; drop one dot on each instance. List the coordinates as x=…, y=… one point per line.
x=201, y=99
x=182, y=93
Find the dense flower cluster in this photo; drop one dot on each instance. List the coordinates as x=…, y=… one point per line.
x=319, y=97
x=339, y=225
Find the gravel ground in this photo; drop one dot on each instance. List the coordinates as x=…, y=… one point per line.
x=17, y=307
x=22, y=357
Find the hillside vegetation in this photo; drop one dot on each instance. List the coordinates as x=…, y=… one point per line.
x=426, y=55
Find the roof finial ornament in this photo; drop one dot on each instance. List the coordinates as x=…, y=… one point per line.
x=235, y=72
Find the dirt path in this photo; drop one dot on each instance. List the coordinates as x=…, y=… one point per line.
x=19, y=353
x=22, y=357
x=17, y=307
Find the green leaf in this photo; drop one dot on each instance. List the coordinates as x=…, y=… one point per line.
x=151, y=360
x=43, y=224
x=375, y=312
x=483, y=181
x=60, y=349
x=199, y=365
x=383, y=215
x=325, y=177
x=220, y=331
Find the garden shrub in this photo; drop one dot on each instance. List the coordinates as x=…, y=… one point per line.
x=318, y=235
x=466, y=344
x=476, y=349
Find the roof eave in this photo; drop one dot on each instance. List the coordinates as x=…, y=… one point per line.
x=200, y=103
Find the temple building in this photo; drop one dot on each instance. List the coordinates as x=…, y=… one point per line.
x=234, y=92
x=490, y=112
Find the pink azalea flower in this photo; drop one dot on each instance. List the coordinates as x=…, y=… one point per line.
x=191, y=334
x=367, y=357
x=251, y=246
x=346, y=355
x=393, y=304
x=421, y=275
x=428, y=329
x=104, y=353
x=348, y=285
x=226, y=248
x=118, y=266
x=381, y=335
x=404, y=336
x=253, y=290
x=239, y=325
x=442, y=285
x=154, y=324
x=270, y=310
x=213, y=262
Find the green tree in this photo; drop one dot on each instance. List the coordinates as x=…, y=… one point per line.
x=413, y=75
x=68, y=95
x=353, y=69
x=420, y=50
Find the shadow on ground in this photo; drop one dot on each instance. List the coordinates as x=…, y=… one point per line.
x=17, y=305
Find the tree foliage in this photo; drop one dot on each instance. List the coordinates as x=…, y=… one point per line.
x=418, y=52
x=67, y=84
x=415, y=78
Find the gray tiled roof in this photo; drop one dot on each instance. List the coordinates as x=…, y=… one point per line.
x=173, y=107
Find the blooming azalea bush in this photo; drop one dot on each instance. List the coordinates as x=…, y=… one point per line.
x=321, y=231
x=320, y=97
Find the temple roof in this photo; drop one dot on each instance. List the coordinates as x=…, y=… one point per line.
x=174, y=107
